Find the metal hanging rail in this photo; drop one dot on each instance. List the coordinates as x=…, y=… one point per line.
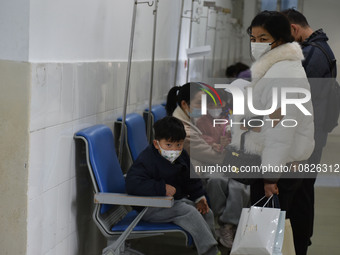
x=189, y=44
x=228, y=38
x=225, y=37
x=208, y=4
x=179, y=35
x=128, y=74
x=149, y=126
x=217, y=9
x=178, y=42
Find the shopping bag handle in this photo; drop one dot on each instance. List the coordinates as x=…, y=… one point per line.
x=262, y=199
x=275, y=201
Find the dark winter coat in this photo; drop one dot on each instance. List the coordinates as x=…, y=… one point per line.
x=317, y=66
x=151, y=171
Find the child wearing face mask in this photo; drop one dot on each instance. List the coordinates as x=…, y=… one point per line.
x=163, y=169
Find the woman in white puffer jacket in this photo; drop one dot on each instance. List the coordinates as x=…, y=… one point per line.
x=278, y=65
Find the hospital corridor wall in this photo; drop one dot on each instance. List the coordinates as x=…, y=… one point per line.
x=63, y=67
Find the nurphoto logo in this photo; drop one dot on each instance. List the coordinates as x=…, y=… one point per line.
x=239, y=103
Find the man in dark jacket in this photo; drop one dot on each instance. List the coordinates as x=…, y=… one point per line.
x=163, y=169
x=317, y=67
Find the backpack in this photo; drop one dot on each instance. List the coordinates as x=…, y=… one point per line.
x=333, y=97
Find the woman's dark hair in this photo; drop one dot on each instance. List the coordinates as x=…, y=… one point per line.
x=179, y=93
x=296, y=17
x=170, y=129
x=275, y=23
x=234, y=70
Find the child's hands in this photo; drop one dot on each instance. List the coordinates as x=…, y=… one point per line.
x=170, y=191
x=202, y=206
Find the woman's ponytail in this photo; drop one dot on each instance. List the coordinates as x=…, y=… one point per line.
x=171, y=101
x=184, y=93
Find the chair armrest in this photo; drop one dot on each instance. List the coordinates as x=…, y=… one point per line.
x=125, y=199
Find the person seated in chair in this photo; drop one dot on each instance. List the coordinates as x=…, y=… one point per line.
x=163, y=169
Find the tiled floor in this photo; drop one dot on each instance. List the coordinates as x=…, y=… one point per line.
x=169, y=244
x=327, y=216
x=331, y=157
x=327, y=222
x=327, y=204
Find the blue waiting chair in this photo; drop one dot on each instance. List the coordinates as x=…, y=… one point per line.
x=111, y=215
x=135, y=140
x=157, y=112
x=136, y=134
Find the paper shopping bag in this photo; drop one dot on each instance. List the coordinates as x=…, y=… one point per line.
x=280, y=232
x=256, y=231
x=288, y=241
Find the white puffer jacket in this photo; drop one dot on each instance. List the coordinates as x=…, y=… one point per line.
x=281, y=68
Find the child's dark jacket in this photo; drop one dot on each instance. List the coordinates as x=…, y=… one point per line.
x=151, y=171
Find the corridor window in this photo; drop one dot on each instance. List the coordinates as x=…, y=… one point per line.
x=287, y=4
x=278, y=5
x=269, y=5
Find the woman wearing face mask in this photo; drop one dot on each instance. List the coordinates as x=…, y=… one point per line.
x=278, y=65
x=184, y=103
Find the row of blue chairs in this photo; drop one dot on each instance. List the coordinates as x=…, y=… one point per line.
x=135, y=139
x=113, y=214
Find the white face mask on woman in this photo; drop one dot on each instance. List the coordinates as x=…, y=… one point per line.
x=259, y=49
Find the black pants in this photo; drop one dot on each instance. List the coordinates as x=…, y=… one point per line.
x=287, y=192
x=302, y=218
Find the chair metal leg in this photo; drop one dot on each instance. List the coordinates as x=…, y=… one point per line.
x=124, y=250
x=119, y=244
x=130, y=251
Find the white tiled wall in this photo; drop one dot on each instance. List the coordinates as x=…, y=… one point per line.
x=64, y=99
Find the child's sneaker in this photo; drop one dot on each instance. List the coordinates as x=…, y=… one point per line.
x=226, y=235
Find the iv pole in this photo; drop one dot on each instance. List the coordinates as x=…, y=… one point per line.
x=179, y=37
x=218, y=9
x=209, y=5
x=178, y=42
x=225, y=37
x=189, y=44
x=128, y=74
x=149, y=127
